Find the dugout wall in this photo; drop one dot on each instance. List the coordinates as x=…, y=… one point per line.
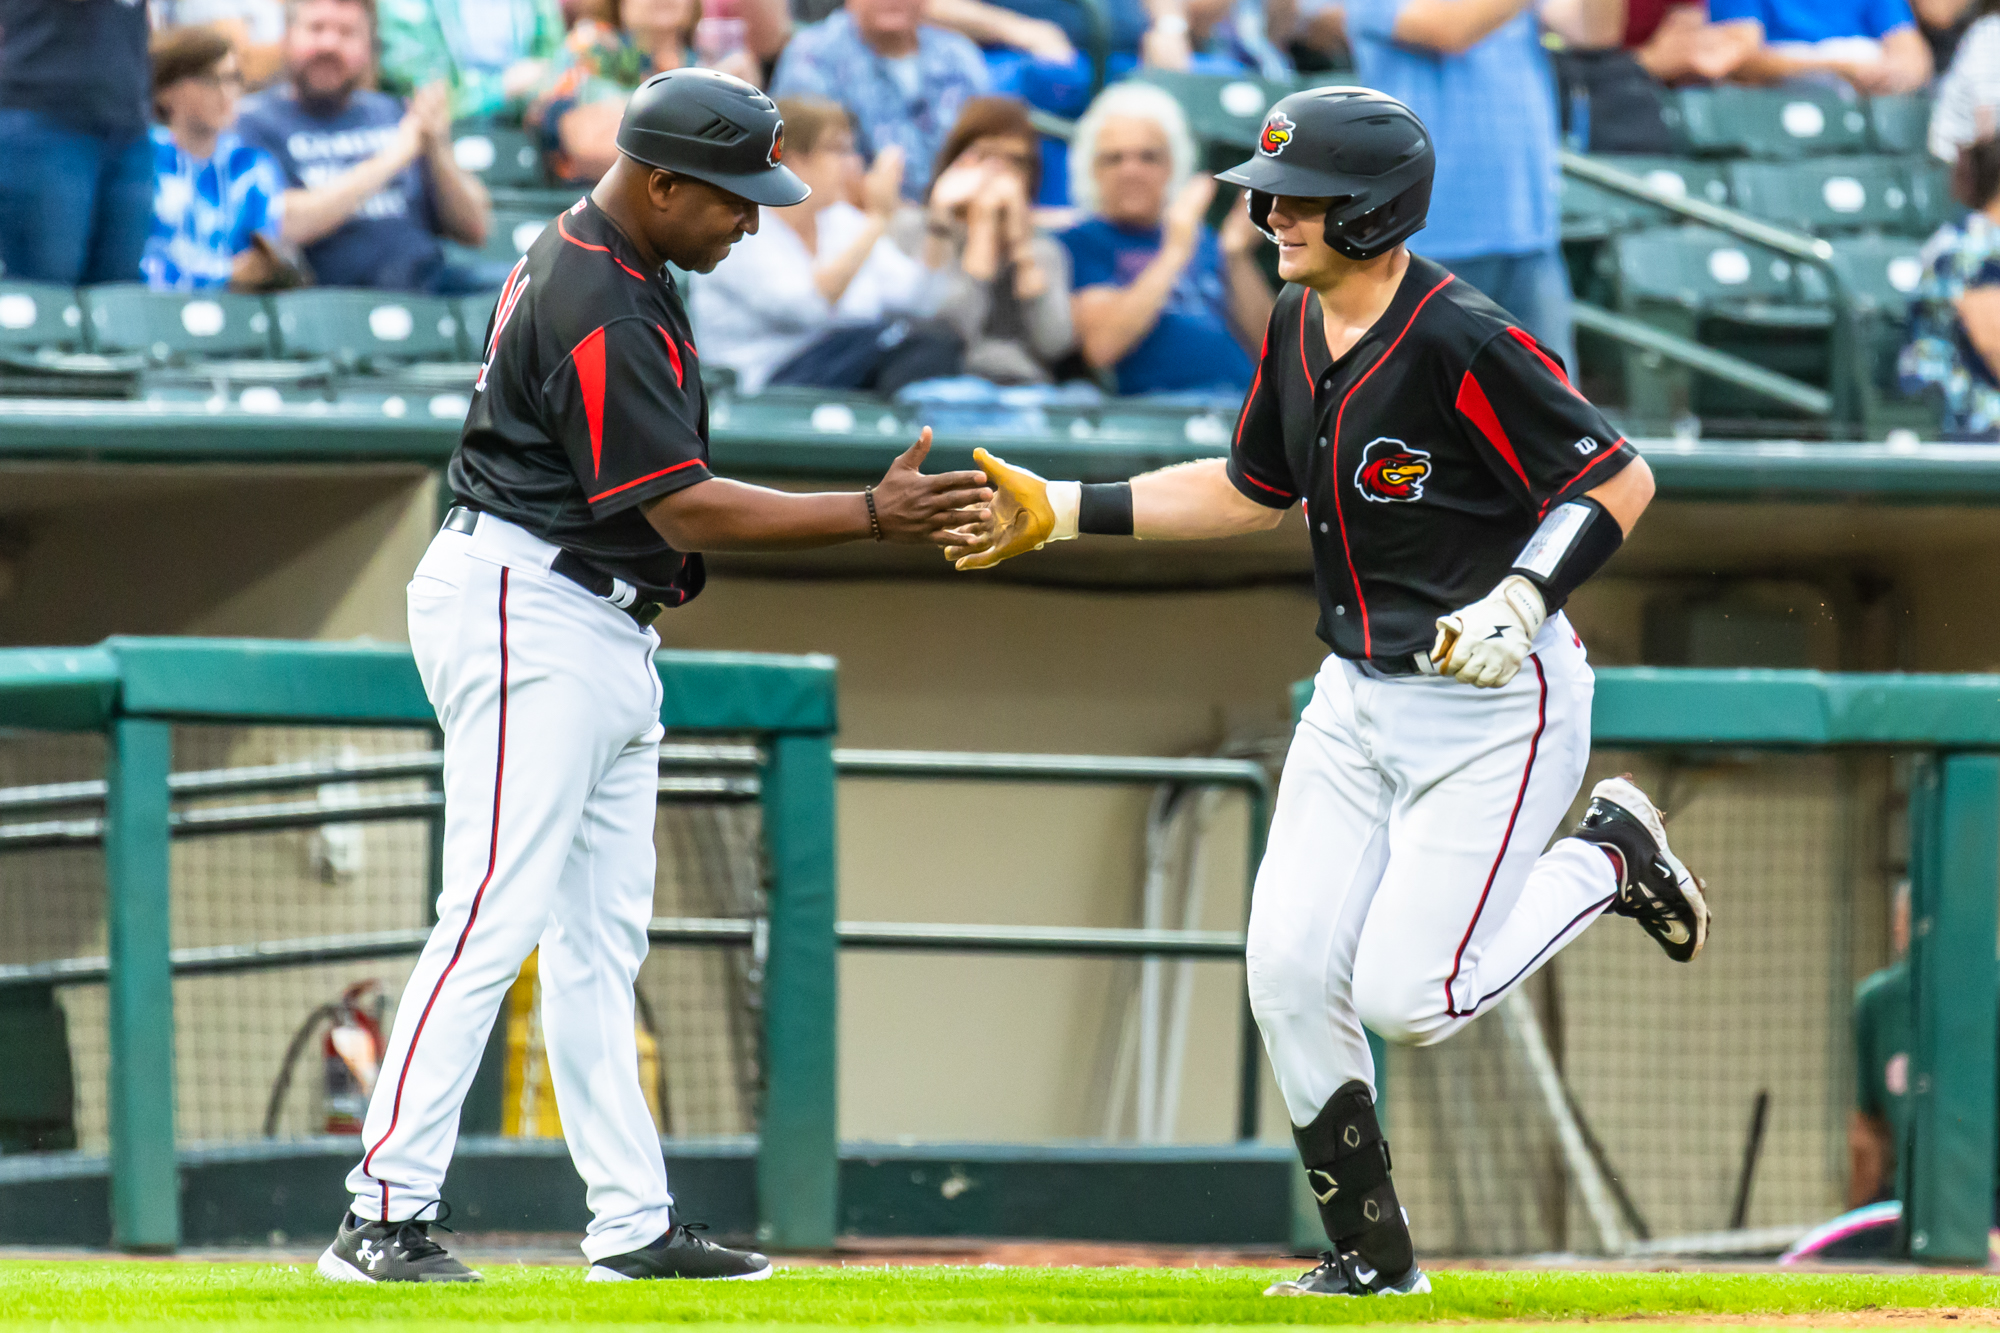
x=138, y=692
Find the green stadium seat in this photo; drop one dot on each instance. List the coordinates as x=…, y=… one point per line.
x=502, y=157
x=1767, y=122
x=39, y=316
x=1590, y=212
x=1831, y=194
x=1699, y=269
x=1881, y=273
x=177, y=328
x=1931, y=204
x=1224, y=111
x=413, y=339
x=1899, y=124
x=510, y=235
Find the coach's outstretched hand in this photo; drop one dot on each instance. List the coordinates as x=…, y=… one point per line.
x=1021, y=517
x=914, y=507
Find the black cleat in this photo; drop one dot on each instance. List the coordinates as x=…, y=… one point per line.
x=1350, y=1275
x=1654, y=888
x=680, y=1253
x=389, y=1252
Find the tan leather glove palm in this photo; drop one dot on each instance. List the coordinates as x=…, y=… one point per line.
x=1022, y=518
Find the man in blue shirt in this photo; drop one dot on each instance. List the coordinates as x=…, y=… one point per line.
x=214, y=196
x=1874, y=45
x=902, y=81
x=76, y=170
x=1475, y=73
x=373, y=185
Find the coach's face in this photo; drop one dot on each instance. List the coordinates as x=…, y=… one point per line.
x=694, y=223
x=1300, y=226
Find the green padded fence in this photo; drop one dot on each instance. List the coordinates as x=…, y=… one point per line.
x=134, y=689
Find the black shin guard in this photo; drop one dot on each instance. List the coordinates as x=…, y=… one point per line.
x=1347, y=1168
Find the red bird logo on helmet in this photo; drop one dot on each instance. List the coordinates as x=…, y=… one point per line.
x=1392, y=471
x=777, y=153
x=1277, y=133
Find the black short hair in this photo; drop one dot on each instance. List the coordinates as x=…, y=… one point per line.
x=1975, y=180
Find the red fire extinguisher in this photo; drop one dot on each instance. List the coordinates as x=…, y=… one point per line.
x=353, y=1055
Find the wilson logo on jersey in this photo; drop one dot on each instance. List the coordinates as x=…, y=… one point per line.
x=1277, y=133
x=1391, y=470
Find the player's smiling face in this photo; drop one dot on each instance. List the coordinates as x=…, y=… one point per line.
x=1300, y=226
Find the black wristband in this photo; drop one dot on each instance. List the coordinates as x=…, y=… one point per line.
x=1105, y=509
x=1572, y=543
x=874, y=520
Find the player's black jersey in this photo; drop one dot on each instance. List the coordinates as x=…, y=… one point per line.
x=589, y=404
x=1426, y=456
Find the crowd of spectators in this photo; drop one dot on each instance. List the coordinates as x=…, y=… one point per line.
x=258, y=144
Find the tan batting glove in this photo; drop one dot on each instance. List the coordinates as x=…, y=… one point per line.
x=1027, y=513
x=1485, y=643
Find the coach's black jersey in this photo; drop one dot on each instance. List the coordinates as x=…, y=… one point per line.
x=588, y=405
x=1426, y=456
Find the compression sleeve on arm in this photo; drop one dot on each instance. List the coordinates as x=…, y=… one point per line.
x=1572, y=544
x=1102, y=509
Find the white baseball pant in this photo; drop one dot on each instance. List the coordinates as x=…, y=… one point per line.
x=550, y=706
x=1404, y=886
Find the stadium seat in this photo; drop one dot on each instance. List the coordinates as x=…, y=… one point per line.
x=414, y=339
x=1590, y=212
x=1832, y=194
x=1899, y=124
x=1931, y=204
x=206, y=336
x=1881, y=273
x=39, y=316
x=42, y=342
x=510, y=235
x=1224, y=111
x=502, y=157
x=1766, y=122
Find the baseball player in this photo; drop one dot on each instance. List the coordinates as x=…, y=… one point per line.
x=584, y=494
x=1457, y=490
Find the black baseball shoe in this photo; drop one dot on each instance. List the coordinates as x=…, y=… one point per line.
x=1654, y=888
x=1350, y=1275
x=680, y=1253
x=389, y=1252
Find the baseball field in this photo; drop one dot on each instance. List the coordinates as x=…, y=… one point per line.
x=271, y=1297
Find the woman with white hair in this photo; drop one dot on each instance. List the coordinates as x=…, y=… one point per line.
x=1167, y=302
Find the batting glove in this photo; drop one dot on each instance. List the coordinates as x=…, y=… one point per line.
x=1028, y=513
x=1485, y=643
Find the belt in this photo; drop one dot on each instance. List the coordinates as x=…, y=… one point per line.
x=577, y=570
x=1414, y=664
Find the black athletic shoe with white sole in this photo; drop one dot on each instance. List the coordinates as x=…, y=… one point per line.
x=389, y=1252
x=1654, y=888
x=1349, y=1275
x=680, y=1253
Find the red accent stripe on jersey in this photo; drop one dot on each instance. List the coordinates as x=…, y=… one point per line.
x=510, y=296
x=1361, y=598
x=692, y=462
x=563, y=230
x=1256, y=383
x=1555, y=367
x=1303, y=298
x=1263, y=486
x=673, y=355
x=1473, y=403
x=588, y=357
x=1534, y=747
x=471, y=916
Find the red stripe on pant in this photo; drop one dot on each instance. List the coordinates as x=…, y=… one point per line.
x=1595, y=909
x=471, y=917
x=1534, y=748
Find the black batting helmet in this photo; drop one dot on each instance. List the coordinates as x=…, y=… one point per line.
x=715, y=128
x=1363, y=149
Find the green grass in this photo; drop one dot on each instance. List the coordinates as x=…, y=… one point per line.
x=268, y=1297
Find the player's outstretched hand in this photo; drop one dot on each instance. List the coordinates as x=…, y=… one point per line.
x=1021, y=517
x=1485, y=643
x=914, y=507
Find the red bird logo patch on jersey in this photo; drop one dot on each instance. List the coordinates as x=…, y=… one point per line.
x=1392, y=471
x=1277, y=133
x=777, y=153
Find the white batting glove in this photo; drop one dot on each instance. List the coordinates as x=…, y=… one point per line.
x=1485, y=643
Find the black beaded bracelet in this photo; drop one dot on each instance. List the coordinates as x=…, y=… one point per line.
x=874, y=520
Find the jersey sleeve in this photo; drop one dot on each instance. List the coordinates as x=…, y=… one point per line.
x=1258, y=466
x=624, y=408
x=1542, y=438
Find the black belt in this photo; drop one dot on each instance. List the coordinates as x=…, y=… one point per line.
x=1398, y=666
x=577, y=570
